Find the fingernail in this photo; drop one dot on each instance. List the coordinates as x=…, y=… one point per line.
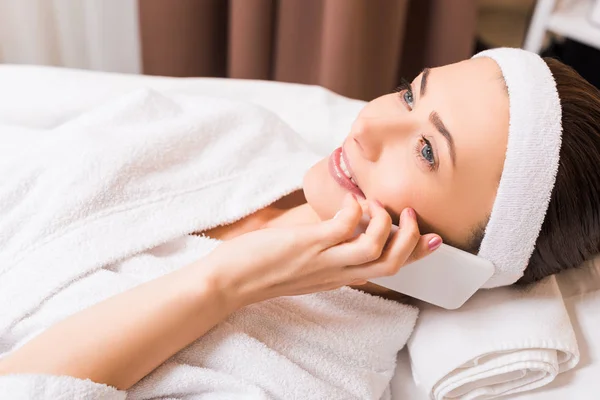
x=336, y=214
x=378, y=203
x=411, y=213
x=434, y=243
x=406, y=213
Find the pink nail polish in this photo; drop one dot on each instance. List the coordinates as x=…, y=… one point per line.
x=434, y=243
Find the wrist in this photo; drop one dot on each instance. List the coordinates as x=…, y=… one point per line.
x=209, y=279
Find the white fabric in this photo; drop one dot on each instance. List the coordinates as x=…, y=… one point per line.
x=580, y=289
x=96, y=34
x=28, y=387
x=502, y=341
x=532, y=155
x=55, y=95
x=83, y=203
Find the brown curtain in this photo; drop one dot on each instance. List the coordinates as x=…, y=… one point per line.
x=358, y=48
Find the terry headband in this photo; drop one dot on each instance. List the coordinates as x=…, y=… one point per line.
x=532, y=156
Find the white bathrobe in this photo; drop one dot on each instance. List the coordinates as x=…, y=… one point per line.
x=107, y=201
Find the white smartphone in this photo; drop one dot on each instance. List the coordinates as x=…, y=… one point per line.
x=447, y=278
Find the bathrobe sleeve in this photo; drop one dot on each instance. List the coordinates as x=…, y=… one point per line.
x=49, y=387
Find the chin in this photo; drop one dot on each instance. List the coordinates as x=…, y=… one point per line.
x=322, y=193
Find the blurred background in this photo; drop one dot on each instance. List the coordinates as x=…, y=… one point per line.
x=358, y=48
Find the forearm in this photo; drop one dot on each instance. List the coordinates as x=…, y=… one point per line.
x=122, y=339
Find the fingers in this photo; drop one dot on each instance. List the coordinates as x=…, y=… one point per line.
x=401, y=245
x=365, y=247
x=405, y=245
x=342, y=226
x=426, y=245
x=380, y=250
x=379, y=226
x=407, y=236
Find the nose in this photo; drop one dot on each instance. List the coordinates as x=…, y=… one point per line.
x=375, y=134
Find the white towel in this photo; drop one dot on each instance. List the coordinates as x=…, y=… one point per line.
x=106, y=201
x=502, y=341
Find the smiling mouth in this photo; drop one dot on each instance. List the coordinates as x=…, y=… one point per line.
x=341, y=171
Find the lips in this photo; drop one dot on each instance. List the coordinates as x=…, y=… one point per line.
x=336, y=171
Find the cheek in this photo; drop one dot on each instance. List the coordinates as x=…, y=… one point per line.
x=322, y=193
x=414, y=189
x=451, y=212
x=401, y=201
x=396, y=191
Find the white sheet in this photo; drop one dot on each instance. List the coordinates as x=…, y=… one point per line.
x=320, y=115
x=316, y=112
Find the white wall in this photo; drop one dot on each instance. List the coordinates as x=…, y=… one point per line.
x=90, y=34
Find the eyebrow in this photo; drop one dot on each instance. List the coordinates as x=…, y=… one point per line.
x=425, y=74
x=436, y=120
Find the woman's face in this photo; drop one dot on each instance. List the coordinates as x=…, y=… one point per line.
x=437, y=146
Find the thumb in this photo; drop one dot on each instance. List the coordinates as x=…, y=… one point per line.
x=343, y=224
x=427, y=244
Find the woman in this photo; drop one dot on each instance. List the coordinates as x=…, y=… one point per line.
x=429, y=158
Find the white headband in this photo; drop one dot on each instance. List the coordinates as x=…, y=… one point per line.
x=532, y=156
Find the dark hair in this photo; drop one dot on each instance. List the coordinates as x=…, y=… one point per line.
x=570, y=233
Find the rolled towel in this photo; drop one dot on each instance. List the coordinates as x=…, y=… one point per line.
x=502, y=341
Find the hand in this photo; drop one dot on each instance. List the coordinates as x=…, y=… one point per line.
x=276, y=262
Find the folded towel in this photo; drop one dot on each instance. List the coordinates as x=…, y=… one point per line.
x=502, y=341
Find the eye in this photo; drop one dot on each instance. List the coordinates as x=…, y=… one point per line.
x=408, y=98
x=406, y=93
x=425, y=153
